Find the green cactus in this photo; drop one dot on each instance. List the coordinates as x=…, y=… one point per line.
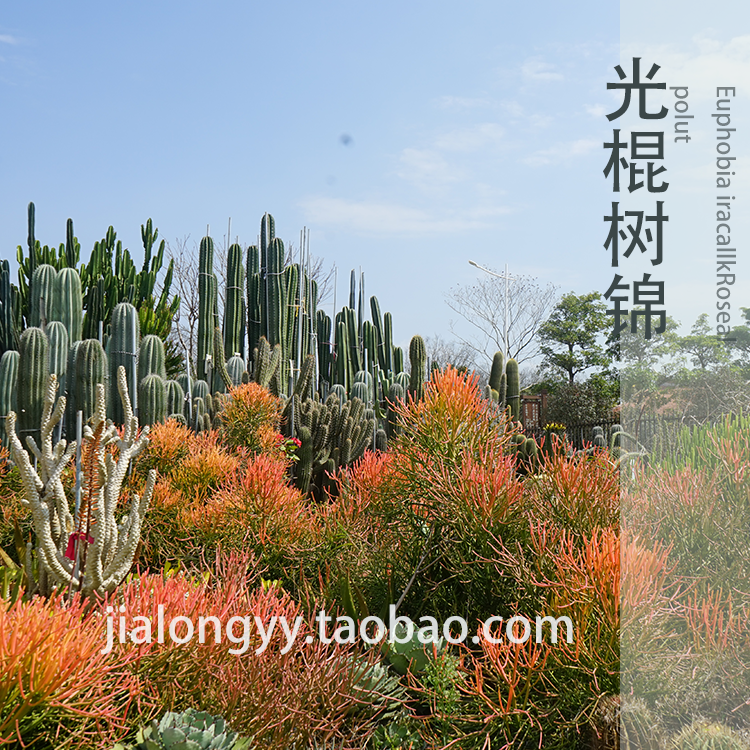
x=71, y=419
x=705, y=735
x=152, y=400
x=90, y=370
x=206, y=303
x=381, y=440
x=498, y=368
x=67, y=305
x=200, y=389
x=267, y=363
x=236, y=369
x=124, y=347
x=8, y=303
x=398, y=359
x=222, y=381
x=8, y=386
x=304, y=466
x=233, y=313
x=33, y=367
x=513, y=396
x=359, y=390
x=418, y=362
x=175, y=397
x=598, y=437
x=255, y=289
x=57, y=335
x=42, y=295
x=151, y=358
x=639, y=729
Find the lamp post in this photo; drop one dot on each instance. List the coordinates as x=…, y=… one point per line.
x=507, y=277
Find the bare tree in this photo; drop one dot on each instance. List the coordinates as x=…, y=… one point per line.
x=455, y=353
x=323, y=278
x=483, y=306
x=185, y=327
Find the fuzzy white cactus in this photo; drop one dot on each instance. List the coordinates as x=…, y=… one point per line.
x=109, y=557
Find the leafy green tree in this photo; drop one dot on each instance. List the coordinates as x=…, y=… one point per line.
x=706, y=350
x=740, y=347
x=571, y=338
x=588, y=402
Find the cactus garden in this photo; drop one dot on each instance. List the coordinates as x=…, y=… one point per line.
x=293, y=462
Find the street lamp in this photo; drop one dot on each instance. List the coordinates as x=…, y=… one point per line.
x=507, y=278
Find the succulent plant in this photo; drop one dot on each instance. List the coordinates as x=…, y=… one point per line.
x=638, y=727
x=412, y=655
x=189, y=730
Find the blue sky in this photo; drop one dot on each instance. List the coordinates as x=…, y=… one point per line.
x=472, y=131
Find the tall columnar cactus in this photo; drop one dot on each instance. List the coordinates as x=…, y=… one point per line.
x=222, y=381
x=8, y=301
x=151, y=358
x=42, y=295
x=8, y=386
x=390, y=364
x=57, y=335
x=67, y=305
x=513, y=395
x=206, y=303
x=418, y=362
x=496, y=378
x=275, y=292
x=233, y=311
x=89, y=373
x=152, y=400
x=124, y=344
x=175, y=397
x=33, y=368
x=255, y=287
x=103, y=550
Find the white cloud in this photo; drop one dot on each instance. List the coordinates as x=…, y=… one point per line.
x=514, y=109
x=562, y=152
x=596, y=110
x=537, y=70
x=461, y=102
x=481, y=136
x=387, y=219
x=426, y=168
x=8, y=39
